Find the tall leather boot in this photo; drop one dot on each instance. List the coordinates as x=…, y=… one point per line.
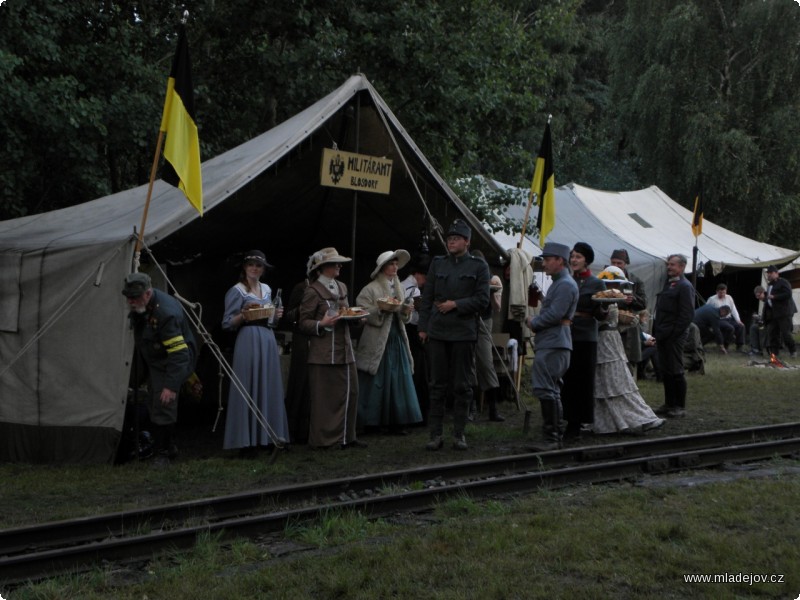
x=551, y=425
x=491, y=398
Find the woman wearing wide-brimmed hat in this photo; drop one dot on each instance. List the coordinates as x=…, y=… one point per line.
x=332, y=375
x=386, y=396
x=256, y=362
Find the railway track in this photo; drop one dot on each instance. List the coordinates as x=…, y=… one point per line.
x=44, y=550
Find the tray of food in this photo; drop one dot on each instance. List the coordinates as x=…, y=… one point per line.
x=352, y=312
x=389, y=304
x=609, y=297
x=257, y=314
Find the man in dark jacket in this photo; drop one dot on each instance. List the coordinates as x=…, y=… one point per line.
x=707, y=319
x=455, y=293
x=674, y=312
x=778, y=310
x=166, y=344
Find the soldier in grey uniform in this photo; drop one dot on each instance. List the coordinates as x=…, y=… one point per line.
x=553, y=340
x=166, y=344
x=455, y=294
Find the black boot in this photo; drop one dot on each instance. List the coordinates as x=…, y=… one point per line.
x=491, y=396
x=551, y=426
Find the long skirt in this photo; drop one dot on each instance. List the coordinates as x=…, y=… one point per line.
x=256, y=363
x=618, y=405
x=389, y=397
x=334, y=404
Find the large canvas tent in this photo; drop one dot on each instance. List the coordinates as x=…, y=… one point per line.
x=65, y=344
x=651, y=226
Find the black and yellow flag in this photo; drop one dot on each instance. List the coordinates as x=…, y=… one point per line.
x=697, y=219
x=182, y=147
x=543, y=185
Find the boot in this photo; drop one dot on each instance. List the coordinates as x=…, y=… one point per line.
x=552, y=428
x=491, y=396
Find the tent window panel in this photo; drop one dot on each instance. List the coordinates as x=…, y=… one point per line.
x=10, y=275
x=639, y=220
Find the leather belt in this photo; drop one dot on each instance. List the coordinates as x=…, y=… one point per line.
x=583, y=314
x=566, y=322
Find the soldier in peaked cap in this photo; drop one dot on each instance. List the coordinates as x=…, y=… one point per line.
x=166, y=344
x=455, y=294
x=553, y=340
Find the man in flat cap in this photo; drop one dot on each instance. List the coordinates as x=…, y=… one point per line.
x=552, y=341
x=778, y=311
x=455, y=294
x=167, y=346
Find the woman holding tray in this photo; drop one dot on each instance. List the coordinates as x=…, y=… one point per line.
x=332, y=378
x=256, y=363
x=387, y=397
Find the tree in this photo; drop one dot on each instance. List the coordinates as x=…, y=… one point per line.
x=710, y=89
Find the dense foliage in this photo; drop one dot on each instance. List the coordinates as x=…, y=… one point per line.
x=640, y=92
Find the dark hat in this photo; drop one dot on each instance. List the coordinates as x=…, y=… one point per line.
x=586, y=250
x=136, y=284
x=256, y=256
x=459, y=227
x=772, y=269
x=620, y=254
x=554, y=249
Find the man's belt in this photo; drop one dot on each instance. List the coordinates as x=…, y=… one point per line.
x=584, y=314
x=566, y=322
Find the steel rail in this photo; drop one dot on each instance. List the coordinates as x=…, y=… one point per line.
x=119, y=524
x=38, y=564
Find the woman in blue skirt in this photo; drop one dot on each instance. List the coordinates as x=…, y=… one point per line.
x=256, y=362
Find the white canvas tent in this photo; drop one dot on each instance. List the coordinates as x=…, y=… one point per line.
x=65, y=344
x=651, y=226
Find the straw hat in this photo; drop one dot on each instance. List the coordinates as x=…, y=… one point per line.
x=324, y=256
x=401, y=256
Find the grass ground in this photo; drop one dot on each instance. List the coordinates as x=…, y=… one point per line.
x=631, y=540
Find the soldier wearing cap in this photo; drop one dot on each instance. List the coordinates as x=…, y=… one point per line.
x=778, y=310
x=553, y=340
x=166, y=344
x=455, y=294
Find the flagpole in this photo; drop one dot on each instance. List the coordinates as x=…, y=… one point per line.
x=532, y=197
x=140, y=240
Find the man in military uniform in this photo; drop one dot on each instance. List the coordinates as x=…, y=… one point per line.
x=455, y=293
x=553, y=341
x=674, y=313
x=166, y=344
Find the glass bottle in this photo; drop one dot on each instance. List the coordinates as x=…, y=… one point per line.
x=277, y=303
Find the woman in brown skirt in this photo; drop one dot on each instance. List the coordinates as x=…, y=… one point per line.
x=332, y=376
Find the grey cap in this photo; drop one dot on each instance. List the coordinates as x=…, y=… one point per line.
x=136, y=284
x=459, y=227
x=555, y=249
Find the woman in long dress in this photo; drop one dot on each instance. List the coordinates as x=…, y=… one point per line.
x=256, y=362
x=332, y=377
x=618, y=405
x=387, y=397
